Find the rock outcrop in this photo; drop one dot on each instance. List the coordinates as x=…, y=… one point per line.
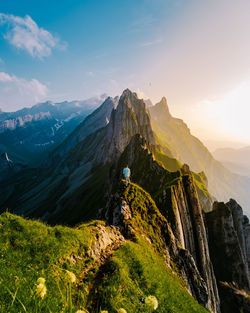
x=188, y=223
x=246, y=228
x=240, y=225
x=107, y=240
x=227, y=244
x=228, y=240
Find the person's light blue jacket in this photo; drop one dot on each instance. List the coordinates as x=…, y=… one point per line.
x=126, y=172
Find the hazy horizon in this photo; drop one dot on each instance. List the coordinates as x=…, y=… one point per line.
x=195, y=53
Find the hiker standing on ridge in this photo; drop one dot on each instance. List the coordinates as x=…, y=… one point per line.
x=126, y=173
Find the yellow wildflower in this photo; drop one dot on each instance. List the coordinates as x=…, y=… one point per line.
x=121, y=310
x=41, y=280
x=104, y=311
x=152, y=302
x=71, y=277
x=41, y=290
x=81, y=311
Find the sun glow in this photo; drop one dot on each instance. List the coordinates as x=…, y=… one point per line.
x=226, y=117
x=231, y=112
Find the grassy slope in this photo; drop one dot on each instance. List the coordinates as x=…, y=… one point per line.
x=134, y=272
x=30, y=249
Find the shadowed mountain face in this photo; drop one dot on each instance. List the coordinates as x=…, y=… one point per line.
x=174, y=134
x=229, y=244
x=98, y=119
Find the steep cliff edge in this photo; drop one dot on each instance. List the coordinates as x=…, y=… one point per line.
x=176, y=197
x=145, y=219
x=228, y=249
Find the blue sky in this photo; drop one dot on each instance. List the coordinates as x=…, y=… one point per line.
x=105, y=44
x=196, y=53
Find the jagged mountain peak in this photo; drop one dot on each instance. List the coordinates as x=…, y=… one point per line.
x=131, y=117
x=128, y=93
x=164, y=100
x=130, y=100
x=161, y=109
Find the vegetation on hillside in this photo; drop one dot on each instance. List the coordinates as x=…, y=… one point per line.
x=50, y=269
x=135, y=272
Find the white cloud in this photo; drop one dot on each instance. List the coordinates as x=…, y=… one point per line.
x=16, y=92
x=25, y=34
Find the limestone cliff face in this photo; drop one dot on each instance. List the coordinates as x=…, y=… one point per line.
x=227, y=243
x=229, y=236
x=176, y=197
x=241, y=224
x=246, y=228
x=186, y=219
x=131, y=117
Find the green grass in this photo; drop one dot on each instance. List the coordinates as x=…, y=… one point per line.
x=29, y=250
x=147, y=219
x=134, y=272
x=167, y=162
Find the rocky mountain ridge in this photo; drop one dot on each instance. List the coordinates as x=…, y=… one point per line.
x=162, y=205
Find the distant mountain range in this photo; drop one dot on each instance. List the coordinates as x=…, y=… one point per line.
x=26, y=133
x=236, y=160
